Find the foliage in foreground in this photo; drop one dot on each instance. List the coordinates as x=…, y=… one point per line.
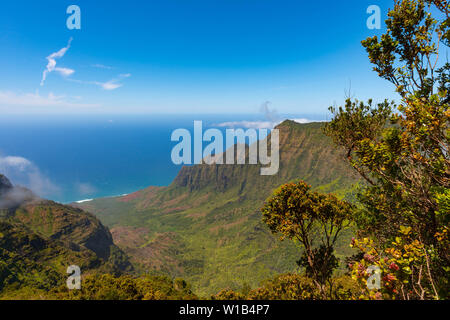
x=109, y=287
x=403, y=155
x=404, y=266
x=403, y=211
x=293, y=287
x=313, y=219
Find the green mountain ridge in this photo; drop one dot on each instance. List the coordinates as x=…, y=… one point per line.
x=39, y=239
x=206, y=226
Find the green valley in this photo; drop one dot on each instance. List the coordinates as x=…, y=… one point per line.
x=206, y=226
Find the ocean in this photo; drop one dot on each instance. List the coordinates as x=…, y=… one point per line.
x=80, y=157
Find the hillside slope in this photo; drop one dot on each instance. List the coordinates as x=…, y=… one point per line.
x=206, y=226
x=39, y=239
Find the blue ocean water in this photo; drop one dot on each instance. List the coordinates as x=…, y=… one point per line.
x=70, y=158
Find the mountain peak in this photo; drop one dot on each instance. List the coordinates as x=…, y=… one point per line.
x=286, y=124
x=5, y=185
x=13, y=196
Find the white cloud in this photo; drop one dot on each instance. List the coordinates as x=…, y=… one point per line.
x=22, y=171
x=51, y=65
x=260, y=124
x=65, y=71
x=271, y=115
x=113, y=84
x=303, y=120
x=16, y=162
x=248, y=124
x=10, y=99
x=110, y=85
x=101, y=66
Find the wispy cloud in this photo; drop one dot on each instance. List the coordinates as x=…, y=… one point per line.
x=272, y=120
x=11, y=99
x=304, y=120
x=51, y=65
x=101, y=66
x=248, y=124
x=22, y=171
x=260, y=124
x=113, y=84
x=109, y=85
x=271, y=115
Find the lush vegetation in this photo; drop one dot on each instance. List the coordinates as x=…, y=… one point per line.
x=402, y=152
x=39, y=239
x=207, y=228
x=309, y=217
x=109, y=287
x=400, y=210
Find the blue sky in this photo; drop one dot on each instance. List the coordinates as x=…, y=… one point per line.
x=186, y=56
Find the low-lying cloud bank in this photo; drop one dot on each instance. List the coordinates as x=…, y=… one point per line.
x=11, y=196
x=23, y=172
x=15, y=197
x=260, y=124
x=11, y=100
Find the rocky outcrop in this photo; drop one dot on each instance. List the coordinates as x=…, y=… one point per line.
x=5, y=185
x=71, y=225
x=214, y=213
x=12, y=196
x=42, y=238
